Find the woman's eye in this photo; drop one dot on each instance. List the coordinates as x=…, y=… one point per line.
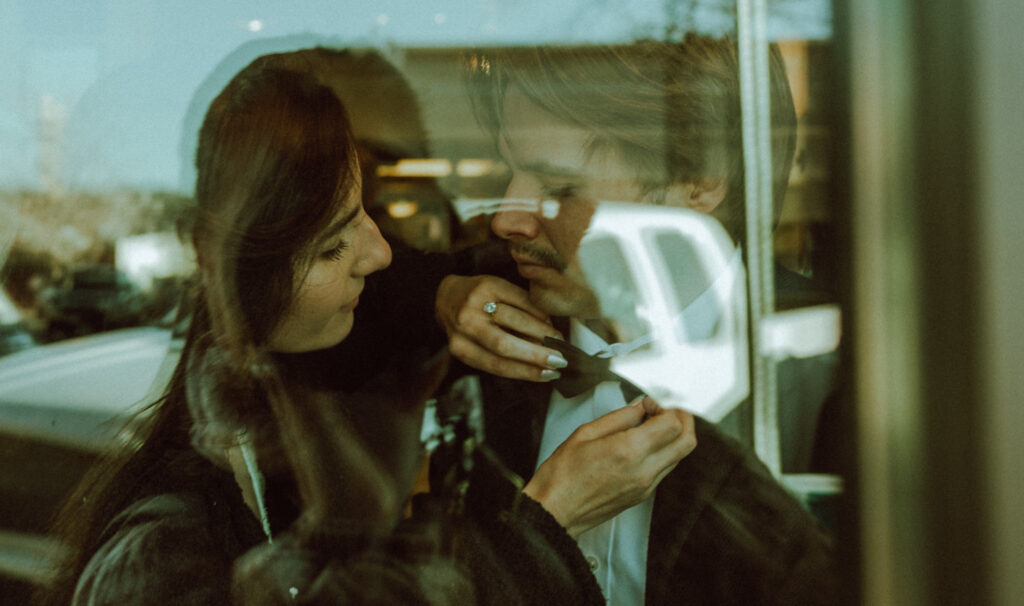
x=335, y=253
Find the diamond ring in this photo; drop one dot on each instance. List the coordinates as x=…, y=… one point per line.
x=490, y=307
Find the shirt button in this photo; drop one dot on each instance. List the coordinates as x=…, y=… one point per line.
x=592, y=561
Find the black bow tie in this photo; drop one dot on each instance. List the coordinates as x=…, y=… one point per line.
x=585, y=371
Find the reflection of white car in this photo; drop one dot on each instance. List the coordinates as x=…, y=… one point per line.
x=73, y=392
x=61, y=405
x=673, y=284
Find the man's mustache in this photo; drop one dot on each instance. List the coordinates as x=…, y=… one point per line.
x=538, y=255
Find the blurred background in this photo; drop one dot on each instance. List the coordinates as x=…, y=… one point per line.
x=904, y=199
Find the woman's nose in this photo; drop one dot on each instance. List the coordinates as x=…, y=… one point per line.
x=378, y=252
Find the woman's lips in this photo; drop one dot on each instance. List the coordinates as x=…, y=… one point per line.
x=351, y=305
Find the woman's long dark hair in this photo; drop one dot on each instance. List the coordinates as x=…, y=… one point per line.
x=267, y=147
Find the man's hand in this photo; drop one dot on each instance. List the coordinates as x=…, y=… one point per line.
x=505, y=343
x=612, y=463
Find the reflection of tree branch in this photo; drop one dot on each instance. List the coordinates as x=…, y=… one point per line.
x=703, y=16
x=72, y=223
x=699, y=16
x=683, y=16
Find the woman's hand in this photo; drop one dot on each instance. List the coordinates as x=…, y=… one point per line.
x=506, y=342
x=612, y=463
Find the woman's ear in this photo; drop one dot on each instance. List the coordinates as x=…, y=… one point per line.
x=703, y=197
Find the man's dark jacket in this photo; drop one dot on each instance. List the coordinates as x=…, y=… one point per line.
x=723, y=531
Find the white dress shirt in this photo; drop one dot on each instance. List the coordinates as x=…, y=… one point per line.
x=617, y=549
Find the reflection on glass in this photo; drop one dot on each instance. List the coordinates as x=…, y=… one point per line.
x=671, y=287
x=609, y=171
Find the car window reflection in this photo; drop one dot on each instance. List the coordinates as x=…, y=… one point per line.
x=671, y=281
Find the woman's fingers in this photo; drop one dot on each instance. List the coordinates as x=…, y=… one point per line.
x=493, y=326
x=666, y=438
x=522, y=321
x=610, y=423
x=472, y=354
x=500, y=290
x=610, y=464
x=511, y=310
x=510, y=333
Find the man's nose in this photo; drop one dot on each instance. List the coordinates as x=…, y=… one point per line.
x=511, y=223
x=517, y=216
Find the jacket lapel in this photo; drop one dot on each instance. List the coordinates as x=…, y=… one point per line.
x=679, y=502
x=514, y=413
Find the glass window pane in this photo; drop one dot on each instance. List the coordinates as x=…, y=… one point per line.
x=607, y=162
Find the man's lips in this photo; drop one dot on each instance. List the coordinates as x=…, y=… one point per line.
x=532, y=271
x=529, y=268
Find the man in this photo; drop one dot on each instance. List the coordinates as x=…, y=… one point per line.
x=652, y=123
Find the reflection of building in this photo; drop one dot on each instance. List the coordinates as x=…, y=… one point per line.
x=148, y=257
x=804, y=239
x=52, y=122
x=17, y=149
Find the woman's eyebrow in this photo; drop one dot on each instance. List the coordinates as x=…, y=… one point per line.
x=340, y=224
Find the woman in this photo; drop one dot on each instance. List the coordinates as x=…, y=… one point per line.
x=277, y=439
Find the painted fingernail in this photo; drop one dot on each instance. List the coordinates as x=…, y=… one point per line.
x=557, y=361
x=549, y=375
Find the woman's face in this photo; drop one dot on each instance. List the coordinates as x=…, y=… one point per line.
x=320, y=313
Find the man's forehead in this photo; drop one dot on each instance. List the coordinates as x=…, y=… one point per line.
x=534, y=140
x=545, y=160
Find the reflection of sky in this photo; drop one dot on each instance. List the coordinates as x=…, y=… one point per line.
x=121, y=72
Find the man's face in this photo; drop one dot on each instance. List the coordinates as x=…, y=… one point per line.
x=550, y=161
